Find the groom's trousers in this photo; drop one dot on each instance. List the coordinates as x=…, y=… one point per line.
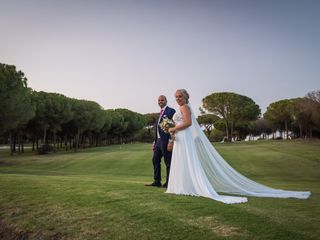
x=159, y=151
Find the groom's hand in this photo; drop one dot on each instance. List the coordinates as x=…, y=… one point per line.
x=170, y=146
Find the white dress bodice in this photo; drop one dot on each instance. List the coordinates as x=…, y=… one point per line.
x=177, y=117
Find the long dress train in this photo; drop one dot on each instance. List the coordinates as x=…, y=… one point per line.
x=198, y=169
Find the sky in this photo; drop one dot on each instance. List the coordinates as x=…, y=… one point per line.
x=125, y=53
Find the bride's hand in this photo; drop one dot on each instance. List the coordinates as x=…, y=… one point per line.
x=172, y=130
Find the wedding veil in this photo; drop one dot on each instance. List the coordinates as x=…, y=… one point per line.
x=224, y=178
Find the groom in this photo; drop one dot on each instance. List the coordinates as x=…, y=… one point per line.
x=160, y=144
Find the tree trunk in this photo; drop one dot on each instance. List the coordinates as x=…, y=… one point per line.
x=14, y=142
x=77, y=139
x=54, y=141
x=44, y=135
x=300, y=130
x=19, y=141
x=65, y=143
x=22, y=145
x=273, y=135
x=227, y=131
x=33, y=144
x=11, y=143
x=231, y=132
x=83, y=141
x=71, y=143
x=98, y=140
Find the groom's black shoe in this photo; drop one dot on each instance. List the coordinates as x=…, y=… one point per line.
x=165, y=185
x=154, y=184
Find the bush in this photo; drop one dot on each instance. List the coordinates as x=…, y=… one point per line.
x=145, y=135
x=216, y=135
x=45, y=149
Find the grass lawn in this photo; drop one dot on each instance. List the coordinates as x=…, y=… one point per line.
x=100, y=194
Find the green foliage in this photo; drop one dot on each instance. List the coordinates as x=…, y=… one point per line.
x=145, y=135
x=125, y=124
x=45, y=149
x=232, y=108
x=297, y=113
x=260, y=126
x=52, y=111
x=132, y=120
x=151, y=119
x=118, y=125
x=279, y=113
x=148, y=133
x=301, y=115
x=216, y=135
x=107, y=123
x=311, y=106
x=208, y=121
x=220, y=125
x=87, y=115
x=15, y=104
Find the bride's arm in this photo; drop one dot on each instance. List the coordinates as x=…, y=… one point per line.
x=186, y=119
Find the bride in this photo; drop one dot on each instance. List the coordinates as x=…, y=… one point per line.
x=197, y=169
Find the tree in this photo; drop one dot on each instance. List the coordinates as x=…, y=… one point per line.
x=118, y=124
x=87, y=116
x=216, y=135
x=52, y=111
x=15, y=104
x=302, y=116
x=151, y=119
x=107, y=125
x=280, y=114
x=207, y=120
x=260, y=126
x=132, y=121
x=314, y=96
x=232, y=108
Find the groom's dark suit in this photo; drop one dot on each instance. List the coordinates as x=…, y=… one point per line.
x=160, y=147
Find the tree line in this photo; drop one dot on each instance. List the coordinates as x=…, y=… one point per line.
x=52, y=121
x=236, y=117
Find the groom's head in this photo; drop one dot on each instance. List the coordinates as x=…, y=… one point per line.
x=162, y=101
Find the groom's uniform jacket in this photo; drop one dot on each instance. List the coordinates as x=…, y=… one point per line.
x=168, y=112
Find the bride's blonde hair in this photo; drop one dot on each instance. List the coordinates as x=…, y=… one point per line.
x=185, y=94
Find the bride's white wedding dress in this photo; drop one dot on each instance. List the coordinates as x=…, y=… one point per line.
x=197, y=169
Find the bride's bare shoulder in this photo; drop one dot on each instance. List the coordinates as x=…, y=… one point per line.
x=185, y=107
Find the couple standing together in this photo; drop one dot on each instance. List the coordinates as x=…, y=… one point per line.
x=194, y=167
